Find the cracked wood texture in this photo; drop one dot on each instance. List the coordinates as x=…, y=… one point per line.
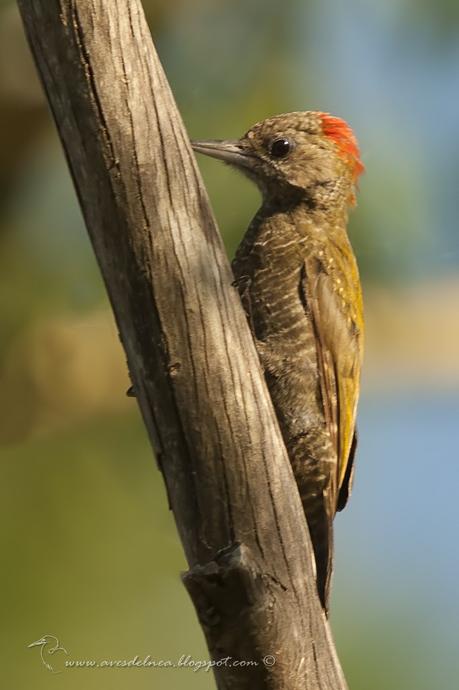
x=190, y=352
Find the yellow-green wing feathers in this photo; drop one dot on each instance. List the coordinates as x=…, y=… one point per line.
x=335, y=306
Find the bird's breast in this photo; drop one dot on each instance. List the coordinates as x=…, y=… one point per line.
x=273, y=279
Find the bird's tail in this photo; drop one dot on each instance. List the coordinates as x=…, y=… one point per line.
x=321, y=531
x=316, y=499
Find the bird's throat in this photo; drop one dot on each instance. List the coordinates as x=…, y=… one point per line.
x=324, y=199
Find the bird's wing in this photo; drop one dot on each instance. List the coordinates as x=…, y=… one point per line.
x=339, y=354
x=346, y=487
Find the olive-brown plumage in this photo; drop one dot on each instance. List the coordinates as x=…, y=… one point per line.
x=298, y=281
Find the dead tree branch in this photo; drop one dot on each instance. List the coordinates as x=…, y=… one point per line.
x=189, y=349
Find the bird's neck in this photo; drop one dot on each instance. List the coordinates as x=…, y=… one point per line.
x=333, y=218
x=324, y=202
x=298, y=226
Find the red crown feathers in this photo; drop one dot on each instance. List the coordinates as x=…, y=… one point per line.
x=344, y=138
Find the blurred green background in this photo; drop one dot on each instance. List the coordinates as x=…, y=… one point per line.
x=90, y=552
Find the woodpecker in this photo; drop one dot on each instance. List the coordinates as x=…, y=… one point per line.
x=299, y=284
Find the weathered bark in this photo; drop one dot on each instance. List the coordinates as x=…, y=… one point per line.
x=190, y=352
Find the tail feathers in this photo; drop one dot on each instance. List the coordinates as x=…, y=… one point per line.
x=321, y=531
x=320, y=524
x=313, y=459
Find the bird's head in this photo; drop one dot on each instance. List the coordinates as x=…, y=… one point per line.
x=47, y=640
x=41, y=642
x=309, y=155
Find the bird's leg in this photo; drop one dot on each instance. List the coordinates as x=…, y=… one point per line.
x=243, y=284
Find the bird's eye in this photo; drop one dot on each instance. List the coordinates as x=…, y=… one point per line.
x=280, y=147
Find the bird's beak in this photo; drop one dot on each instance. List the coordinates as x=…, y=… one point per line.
x=36, y=643
x=232, y=152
